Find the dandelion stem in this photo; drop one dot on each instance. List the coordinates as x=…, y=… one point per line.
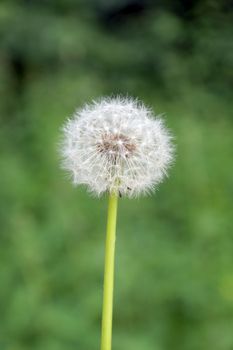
x=106, y=336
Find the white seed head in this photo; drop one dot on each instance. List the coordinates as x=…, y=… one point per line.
x=116, y=145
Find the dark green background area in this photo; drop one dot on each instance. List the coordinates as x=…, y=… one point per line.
x=174, y=264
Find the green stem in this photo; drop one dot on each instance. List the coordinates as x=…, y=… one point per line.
x=106, y=335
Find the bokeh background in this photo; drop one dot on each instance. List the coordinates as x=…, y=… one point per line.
x=174, y=267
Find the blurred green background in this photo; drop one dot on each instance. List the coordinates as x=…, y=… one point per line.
x=174, y=266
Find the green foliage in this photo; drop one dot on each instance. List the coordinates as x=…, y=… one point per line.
x=174, y=277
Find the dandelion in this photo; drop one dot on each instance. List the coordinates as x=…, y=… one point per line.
x=115, y=146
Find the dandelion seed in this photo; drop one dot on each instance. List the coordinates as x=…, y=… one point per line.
x=118, y=140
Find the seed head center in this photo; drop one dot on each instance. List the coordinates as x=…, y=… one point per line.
x=116, y=145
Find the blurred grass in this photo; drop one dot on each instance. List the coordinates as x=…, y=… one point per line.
x=174, y=276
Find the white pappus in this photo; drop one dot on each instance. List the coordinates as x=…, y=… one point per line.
x=116, y=145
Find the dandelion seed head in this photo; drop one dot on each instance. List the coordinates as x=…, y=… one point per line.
x=116, y=145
